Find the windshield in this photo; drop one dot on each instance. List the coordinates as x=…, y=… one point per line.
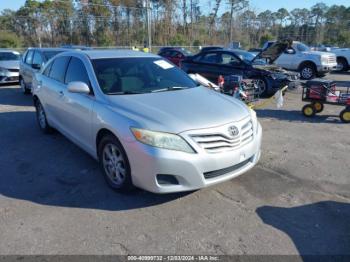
x=9, y=56
x=248, y=57
x=139, y=75
x=49, y=54
x=302, y=47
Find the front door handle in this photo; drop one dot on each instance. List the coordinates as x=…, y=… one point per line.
x=61, y=93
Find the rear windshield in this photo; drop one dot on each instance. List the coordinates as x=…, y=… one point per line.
x=139, y=75
x=49, y=54
x=9, y=56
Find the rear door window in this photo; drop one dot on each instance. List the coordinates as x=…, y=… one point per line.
x=58, y=69
x=211, y=58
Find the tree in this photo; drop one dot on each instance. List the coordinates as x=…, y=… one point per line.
x=235, y=5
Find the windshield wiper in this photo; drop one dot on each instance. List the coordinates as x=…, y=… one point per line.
x=124, y=93
x=170, y=88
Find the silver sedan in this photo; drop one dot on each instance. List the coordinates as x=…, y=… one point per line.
x=147, y=122
x=9, y=66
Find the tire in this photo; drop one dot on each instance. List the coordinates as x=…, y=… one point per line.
x=345, y=115
x=308, y=71
x=41, y=118
x=263, y=86
x=309, y=110
x=318, y=107
x=114, y=164
x=24, y=88
x=343, y=65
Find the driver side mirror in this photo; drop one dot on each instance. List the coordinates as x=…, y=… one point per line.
x=78, y=87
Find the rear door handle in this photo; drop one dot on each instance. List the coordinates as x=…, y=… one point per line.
x=61, y=93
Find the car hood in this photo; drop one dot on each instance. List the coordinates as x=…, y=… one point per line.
x=275, y=69
x=274, y=51
x=318, y=53
x=10, y=64
x=181, y=110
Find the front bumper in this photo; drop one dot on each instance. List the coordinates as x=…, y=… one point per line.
x=326, y=68
x=192, y=171
x=9, y=77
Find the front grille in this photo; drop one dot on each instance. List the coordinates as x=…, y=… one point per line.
x=13, y=70
x=227, y=170
x=220, y=142
x=332, y=59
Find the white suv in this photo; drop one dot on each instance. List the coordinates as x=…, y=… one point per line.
x=302, y=59
x=343, y=58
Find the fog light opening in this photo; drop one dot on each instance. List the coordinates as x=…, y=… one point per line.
x=167, y=180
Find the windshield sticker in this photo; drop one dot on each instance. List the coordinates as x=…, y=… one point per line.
x=163, y=64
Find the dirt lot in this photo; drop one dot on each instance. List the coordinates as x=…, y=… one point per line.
x=53, y=199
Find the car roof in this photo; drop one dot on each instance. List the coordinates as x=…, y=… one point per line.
x=47, y=49
x=100, y=54
x=8, y=51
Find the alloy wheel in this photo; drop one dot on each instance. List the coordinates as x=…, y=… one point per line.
x=261, y=85
x=114, y=164
x=41, y=116
x=307, y=73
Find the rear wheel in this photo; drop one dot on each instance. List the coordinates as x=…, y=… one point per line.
x=114, y=164
x=309, y=110
x=41, y=118
x=24, y=88
x=318, y=107
x=345, y=115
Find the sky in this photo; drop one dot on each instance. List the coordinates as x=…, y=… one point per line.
x=258, y=5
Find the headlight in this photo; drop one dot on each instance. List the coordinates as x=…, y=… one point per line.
x=324, y=59
x=254, y=120
x=162, y=140
x=278, y=76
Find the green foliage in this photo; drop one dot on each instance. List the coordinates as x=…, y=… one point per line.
x=266, y=37
x=178, y=40
x=97, y=23
x=197, y=43
x=9, y=40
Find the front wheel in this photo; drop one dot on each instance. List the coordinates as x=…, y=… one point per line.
x=262, y=86
x=342, y=65
x=114, y=164
x=308, y=71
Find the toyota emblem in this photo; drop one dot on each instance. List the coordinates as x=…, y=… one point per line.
x=233, y=131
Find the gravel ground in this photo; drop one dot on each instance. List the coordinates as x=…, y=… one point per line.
x=53, y=199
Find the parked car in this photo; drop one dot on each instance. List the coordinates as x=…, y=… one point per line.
x=9, y=66
x=76, y=47
x=146, y=121
x=299, y=57
x=33, y=59
x=227, y=62
x=210, y=48
x=343, y=58
x=174, y=55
